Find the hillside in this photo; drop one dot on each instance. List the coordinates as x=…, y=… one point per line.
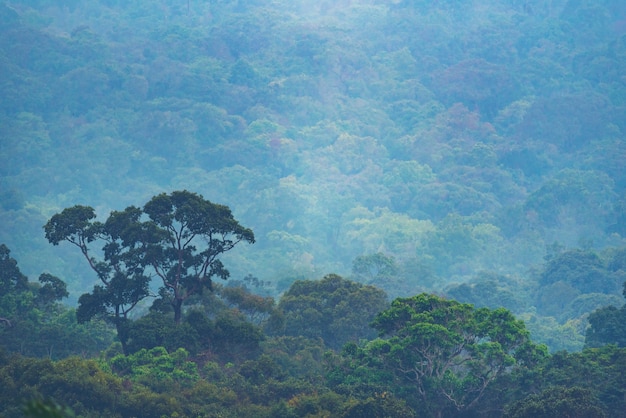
x=465, y=144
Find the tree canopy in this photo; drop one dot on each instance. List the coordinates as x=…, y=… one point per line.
x=334, y=309
x=445, y=353
x=464, y=152
x=177, y=237
x=190, y=235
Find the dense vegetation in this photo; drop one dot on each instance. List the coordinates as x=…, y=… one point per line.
x=461, y=141
x=235, y=353
x=375, y=150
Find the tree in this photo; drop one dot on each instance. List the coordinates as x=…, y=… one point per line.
x=583, y=270
x=448, y=352
x=334, y=309
x=33, y=321
x=255, y=307
x=156, y=368
x=190, y=235
x=11, y=278
x=491, y=290
x=601, y=370
x=607, y=325
x=575, y=402
x=373, y=267
x=11, y=281
x=581, y=197
x=382, y=405
x=477, y=83
x=52, y=289
x=121, y=270
x=47, y=409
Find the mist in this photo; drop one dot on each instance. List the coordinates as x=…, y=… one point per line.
x=457, y=140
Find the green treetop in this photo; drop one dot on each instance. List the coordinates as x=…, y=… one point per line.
x=191, y=234
x=448, y=352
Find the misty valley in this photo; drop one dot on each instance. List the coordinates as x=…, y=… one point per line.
x=351, y=208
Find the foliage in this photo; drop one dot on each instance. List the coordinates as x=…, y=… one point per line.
x=49, y=409
x=11, y=277
x=492, y=291
x=156, y=368
x=375, y=269
x=298, y=357
x=381, y=405
x=157, y=330
x=191, y=233
x=468, y=146
x=121, y=272
x=607, y=325
x=557, y=336
x=33, y=321
x=256, y=308
x=558, y=402
x=583, y=270
x=170, y=243
x=450, y=143
x=334, y=309
x=234, y=338
x=446, y=352
x=598, y=371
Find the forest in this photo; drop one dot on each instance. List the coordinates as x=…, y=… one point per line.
x=303, y=208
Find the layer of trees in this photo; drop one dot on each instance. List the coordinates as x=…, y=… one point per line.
x=474, y=151
x=315, y=352
x=452, y=139
x=180, y=241
x=33, y=321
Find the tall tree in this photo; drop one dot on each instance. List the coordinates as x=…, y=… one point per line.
x=11, y=279
x=448, y=352
x=190, y=235
x=121, y=268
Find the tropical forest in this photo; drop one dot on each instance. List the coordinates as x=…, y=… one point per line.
x=313, y=208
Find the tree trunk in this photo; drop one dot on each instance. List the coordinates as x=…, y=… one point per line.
x=177, y=304
x=121, y=326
